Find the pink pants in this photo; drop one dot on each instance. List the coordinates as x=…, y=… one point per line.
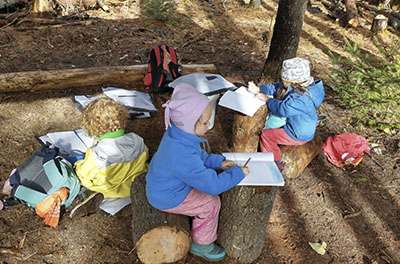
x=271, y=138
x=205, y=210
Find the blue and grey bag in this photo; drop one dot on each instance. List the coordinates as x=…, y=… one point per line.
x=42, y=174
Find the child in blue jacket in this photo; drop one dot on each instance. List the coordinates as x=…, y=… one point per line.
x=182, y=177
x=295, y=100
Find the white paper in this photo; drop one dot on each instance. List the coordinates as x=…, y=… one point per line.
x=262, y=168
x=242, y=101
x=130, y=98
x=84, y=100
x=114, y=205
x=74, y=142
x=205, y=83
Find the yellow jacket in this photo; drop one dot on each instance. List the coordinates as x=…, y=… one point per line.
x=111, y=165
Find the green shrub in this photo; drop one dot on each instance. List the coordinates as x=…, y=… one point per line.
x=160, y=10
x=372, y=92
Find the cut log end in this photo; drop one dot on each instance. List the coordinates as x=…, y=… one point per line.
x=164, y=244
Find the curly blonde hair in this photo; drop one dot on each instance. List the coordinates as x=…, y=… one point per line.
x=103, y=115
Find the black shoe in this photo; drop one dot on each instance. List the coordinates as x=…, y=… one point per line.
x=87, y=205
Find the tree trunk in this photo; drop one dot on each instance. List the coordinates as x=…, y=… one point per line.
x=74, y=78
x=351, y=13
x=298, y=157
x=158, y=237
x=285, y=40
x=246, y=210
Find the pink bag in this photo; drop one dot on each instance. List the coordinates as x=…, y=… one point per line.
x=345, y=149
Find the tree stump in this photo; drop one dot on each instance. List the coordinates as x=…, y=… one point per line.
x=379, y=23
x=298, y=157
x=244, y=217
x=158, y=237
x=245, y=210
x=351, y=13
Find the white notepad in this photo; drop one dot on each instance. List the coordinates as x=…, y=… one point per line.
x=262, y=168
x=74, y=142
x=241, y=100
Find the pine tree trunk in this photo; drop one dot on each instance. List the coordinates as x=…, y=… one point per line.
x=246, y=210
x=285, y=39
x=158, y=237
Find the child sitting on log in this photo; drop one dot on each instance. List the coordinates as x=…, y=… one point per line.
x=115, y=159
x=292, y=107
x=182, y=177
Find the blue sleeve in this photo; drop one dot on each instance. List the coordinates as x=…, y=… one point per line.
x=195, y=174
x=270, y=89
x=290, y=106
x=213, y=161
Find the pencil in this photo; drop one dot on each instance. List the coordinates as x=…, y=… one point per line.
x=247, y=162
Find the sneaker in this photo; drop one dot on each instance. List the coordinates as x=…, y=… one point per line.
x=87, y=204
x=211, y=252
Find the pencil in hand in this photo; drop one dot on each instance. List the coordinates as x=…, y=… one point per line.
x=247, y=162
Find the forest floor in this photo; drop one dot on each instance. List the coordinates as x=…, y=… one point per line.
x=356, y=211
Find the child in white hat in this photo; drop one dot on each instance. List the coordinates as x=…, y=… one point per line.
x=294, y=102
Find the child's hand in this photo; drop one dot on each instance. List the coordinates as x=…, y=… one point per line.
x=262, y=96
x=226, y=164
x=245, y=170
x=253, y=88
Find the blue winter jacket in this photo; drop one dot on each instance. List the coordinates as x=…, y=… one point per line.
x=179, y=165
x=300, y=110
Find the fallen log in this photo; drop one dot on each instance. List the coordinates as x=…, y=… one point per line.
x=298, y=157
x=158, y=237
x=74, y=78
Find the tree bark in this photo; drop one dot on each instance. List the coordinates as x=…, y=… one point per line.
x=246, y=130
x=298, y=157
x=285, y=40
x=246, y=210
x=158, y=237
x=75, y=78
x=351, y=13
x=243, y=221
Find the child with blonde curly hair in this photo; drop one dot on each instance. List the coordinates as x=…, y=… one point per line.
x=116, y=158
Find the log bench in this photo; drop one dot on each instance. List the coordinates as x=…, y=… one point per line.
x=118, y=76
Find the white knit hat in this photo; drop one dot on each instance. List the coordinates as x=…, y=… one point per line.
x=297, y=70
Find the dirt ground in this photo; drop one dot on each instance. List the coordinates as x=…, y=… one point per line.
x=356, y=211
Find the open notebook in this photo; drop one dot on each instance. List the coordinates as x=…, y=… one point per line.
x=71, y=143
x=139, y=104
x=262, y=168
x=241, y=100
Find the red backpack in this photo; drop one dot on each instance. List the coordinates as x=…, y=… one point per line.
x=162, y=68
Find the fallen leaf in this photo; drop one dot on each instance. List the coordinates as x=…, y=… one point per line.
x=319, y=248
